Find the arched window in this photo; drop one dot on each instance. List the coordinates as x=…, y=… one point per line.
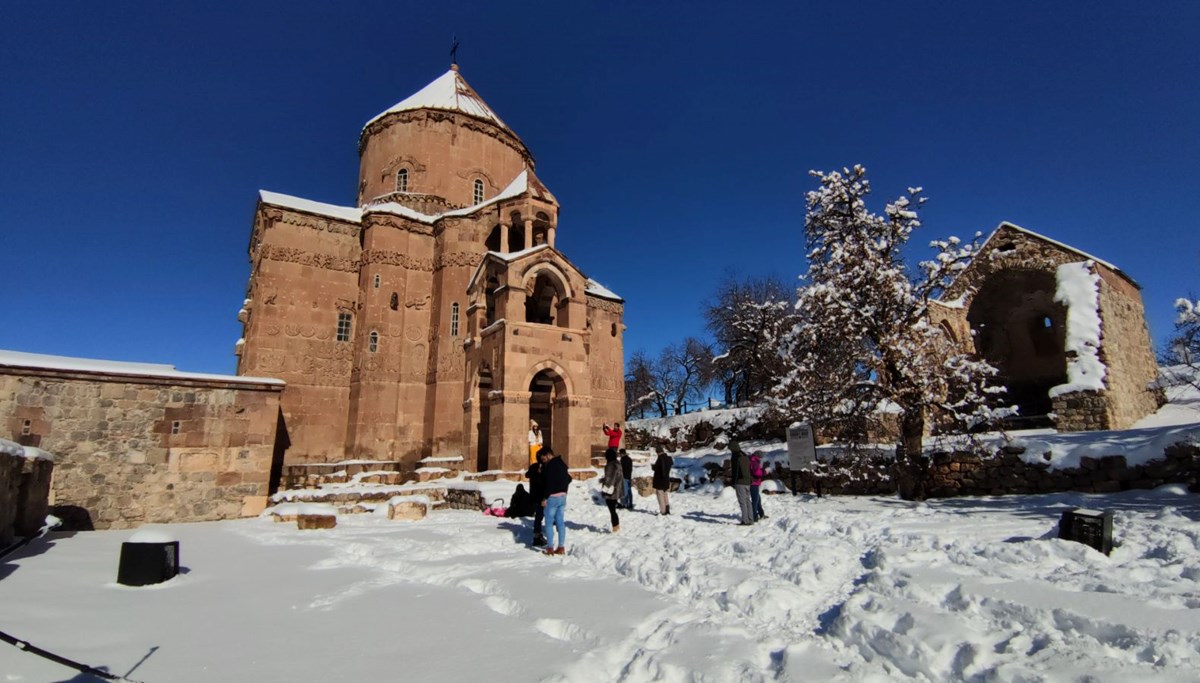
x=377, y=278
x=402, y=180
x=454, y=319
x=373, y=342
x=478, y=191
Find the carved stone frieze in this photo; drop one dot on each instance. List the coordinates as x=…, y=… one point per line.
x=308, y=258
x=457, y=259
x=605, y=305
x=395, y=258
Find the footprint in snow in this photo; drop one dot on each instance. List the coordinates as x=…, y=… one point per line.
x=562, y=630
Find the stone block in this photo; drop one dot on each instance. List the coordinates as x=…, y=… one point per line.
x=408, y=510
x=310, y=521
x=252, y=506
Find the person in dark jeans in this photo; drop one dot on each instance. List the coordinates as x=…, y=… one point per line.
x=537, y=491
x=611, y=486
x=627, y=472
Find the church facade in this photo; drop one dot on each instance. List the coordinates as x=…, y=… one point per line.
x=435, y=318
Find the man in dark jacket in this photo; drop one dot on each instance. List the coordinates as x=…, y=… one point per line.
x=627, y=473
x=741, y=482
x=662, y=480
x=557, y=480
x=537, y=491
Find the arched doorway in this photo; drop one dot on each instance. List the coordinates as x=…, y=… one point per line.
x=482, y=432
x=1019, y=328
x=550, y=408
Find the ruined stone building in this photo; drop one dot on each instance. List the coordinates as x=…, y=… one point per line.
x=1013, y=306
x=436, y=317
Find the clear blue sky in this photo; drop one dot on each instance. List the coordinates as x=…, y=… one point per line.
x=677, y=136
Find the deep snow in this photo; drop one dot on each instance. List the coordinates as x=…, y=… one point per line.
x=833, y=588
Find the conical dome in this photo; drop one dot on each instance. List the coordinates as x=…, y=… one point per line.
x=440, y=148
x=448, y=92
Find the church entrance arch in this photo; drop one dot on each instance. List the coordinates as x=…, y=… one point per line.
x=482, y=431
x=550, y=407
x=1019, y=328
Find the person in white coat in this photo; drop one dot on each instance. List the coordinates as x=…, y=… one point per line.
x=535, y=441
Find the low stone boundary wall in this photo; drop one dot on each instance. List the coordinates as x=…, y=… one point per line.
x=966, y=474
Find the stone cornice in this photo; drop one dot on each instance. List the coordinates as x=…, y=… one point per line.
x=466, y=121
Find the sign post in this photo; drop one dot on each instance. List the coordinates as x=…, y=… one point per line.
x=802, y=450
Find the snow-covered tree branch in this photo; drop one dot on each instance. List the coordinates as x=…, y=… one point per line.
x=862, y=346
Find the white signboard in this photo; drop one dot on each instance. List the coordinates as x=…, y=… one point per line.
x=802, y=450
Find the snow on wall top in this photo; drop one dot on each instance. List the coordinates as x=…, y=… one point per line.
x=1056, y=243
x=596, y=289
x=448, y=92
x=1079, y=290
x=516, y=188
x=12, y=448
x=21, y=359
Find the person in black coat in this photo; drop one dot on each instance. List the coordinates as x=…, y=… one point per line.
x=537, y=492
x=557, y=480
x=662, y=480
x=627, y=473
x=612, y=485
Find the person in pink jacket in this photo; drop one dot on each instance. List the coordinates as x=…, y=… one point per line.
x=757, y=474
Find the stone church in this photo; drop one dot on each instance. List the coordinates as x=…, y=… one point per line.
x=436, y=317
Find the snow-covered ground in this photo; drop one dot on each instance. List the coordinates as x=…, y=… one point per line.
x=825, y=589
x=852, y=589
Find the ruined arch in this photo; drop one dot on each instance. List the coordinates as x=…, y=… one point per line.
x=1017, y=326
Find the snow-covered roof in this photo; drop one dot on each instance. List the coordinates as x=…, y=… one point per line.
x=345, y=213
x=516, y=188
x=596, y=289
x=448, y=92
x=20, y=359
x=1084, y=254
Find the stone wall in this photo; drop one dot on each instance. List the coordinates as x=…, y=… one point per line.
x=138, y=449
x=24, y=493
x=966, y=474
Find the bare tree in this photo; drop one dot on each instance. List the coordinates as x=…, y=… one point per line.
x=640, y=393
x=684, y=373
x=748, y=318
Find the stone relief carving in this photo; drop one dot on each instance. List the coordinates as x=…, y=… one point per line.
x=605, y=305
x=418, y=304
x=457, y=259
x=306, y=258
x=394, y=258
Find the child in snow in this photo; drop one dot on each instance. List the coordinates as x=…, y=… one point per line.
x=612, y=486
x=757, y=474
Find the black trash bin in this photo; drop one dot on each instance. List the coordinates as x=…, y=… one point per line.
x=143, y=564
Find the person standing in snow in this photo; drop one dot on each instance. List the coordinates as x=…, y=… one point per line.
x=627, y=472
x=537, y=491
x=757, y=474
x=535, y=441
x=741, y=482
x=612, y=486
x=613, y=434
x=557, y=480
x=662, y=480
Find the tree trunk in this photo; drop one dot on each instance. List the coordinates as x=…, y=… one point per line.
x=911, y=466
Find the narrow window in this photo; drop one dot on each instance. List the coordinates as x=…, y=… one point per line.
x=27, y=425
x=377, y=281
x=373, y=344
x=175, y=426
x=402, y=180
x=343, y=326
x=478, y=191
x=454, y=319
